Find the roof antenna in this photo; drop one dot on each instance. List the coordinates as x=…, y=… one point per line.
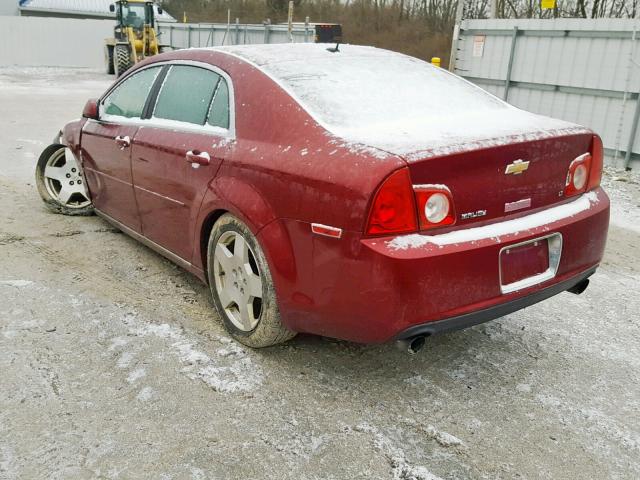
x=334, y=50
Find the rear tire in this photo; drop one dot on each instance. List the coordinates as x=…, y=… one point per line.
x=121, y=59
x=242, y=287
x=108, y=59
x=60, y=182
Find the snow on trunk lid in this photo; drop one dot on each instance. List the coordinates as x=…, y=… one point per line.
x=483, y=190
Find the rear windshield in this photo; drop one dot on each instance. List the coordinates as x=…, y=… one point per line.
x=361, y=87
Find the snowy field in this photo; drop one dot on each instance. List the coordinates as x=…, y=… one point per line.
x=113, y=364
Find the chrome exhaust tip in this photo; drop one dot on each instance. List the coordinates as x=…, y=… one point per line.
x=579, y=287
x=412, y=345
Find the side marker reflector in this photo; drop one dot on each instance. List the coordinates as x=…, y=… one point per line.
x=326, y=230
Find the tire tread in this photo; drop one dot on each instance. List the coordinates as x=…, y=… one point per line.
x=122, y=59
x=50, y=202
x=270, y=330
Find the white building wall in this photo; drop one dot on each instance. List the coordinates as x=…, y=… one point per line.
x=9, y=7
x=70, y=42
x=46, y=41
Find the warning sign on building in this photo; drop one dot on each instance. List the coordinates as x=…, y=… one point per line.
x=478, y=45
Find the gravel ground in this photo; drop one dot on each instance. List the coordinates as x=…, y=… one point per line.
x=113, y=364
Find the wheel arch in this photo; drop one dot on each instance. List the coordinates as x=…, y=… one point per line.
x=205, y=231
x=70, y=135
x=232, y=195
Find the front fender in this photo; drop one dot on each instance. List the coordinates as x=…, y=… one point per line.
x=70, y=137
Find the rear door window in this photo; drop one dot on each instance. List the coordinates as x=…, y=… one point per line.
x=186, y=94
x=128, y=99
x=219, y=113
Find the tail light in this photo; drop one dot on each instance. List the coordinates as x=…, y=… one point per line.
x=435, y=206
x=578, y=175
x=394, y=207
x=585, y=172
x=597, y=161
x=400, y=207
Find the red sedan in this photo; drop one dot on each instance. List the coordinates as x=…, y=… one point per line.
x=359, y=193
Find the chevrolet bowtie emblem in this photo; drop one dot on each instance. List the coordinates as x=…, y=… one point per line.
x=516, y=167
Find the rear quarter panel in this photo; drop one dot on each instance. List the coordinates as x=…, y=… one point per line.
x=283, y=164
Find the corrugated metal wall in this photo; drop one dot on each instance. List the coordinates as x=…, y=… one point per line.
x=188, y=35
x=584, y=71
x=61, y=42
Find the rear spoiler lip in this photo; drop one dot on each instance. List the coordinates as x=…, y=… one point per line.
x=488, y=143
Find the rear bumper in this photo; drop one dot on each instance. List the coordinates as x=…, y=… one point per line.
x=491, y=313
x=379, y=289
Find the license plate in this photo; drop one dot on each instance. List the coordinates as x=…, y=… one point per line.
x=528, y=263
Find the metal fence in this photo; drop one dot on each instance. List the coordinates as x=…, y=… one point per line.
x=584, y=71
x=188, y=35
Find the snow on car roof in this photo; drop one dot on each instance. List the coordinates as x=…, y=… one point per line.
x=391, y=101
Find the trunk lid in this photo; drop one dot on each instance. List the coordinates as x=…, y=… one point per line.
x=480, y=186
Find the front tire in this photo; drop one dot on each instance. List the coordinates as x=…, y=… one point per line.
x=121, y=59
x=242, y=287
x=60, y=182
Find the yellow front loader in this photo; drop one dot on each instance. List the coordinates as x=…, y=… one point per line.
x=134, y=35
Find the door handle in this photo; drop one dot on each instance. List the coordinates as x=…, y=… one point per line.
x=123, y=142
x=196, y=158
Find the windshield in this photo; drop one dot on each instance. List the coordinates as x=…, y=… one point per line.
x=133, y=15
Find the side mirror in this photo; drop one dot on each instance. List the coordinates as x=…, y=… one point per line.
x=159, y=10
x=91, y=109
x=112, y=8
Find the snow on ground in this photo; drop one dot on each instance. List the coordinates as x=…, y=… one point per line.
x=35, y=103
x=52, y=81
x=396, y=456
x=16, y=283
x=624, y=190
x=239, y=373
x=227, y=368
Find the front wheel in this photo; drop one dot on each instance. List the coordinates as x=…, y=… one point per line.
x=60, y=182
x=242, y=287
x=122, y=60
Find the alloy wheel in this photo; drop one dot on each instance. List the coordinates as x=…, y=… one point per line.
x=238, y=282
x=63, y=180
